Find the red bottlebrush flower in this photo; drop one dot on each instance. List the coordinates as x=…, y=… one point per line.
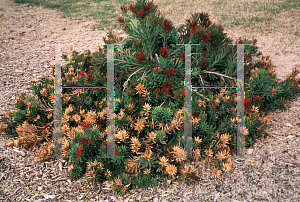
x=259, y=53
x=71, y=83
x=193, y=24
x=90, y=141
x=157, y=91
x=86, y=76
x=198, y=32
x=80, y=72
x=141, y=57
x=212, y=105
x=138, y=42
x=123, y=8
x=206, y=38
x=71, y=177
x=163, y=52
x=121, y=20
x=191, y=31
x=126, y=25
x=139, y=13
x=104, y=38
x=182, y=55
x=85, y=124
x=247, y=102
x=147, y=6
x=257, y=99
x=254, y=41
x=208, y=24
x=117, y=151
x=132, y=8
x=170, y=73
x=204, y=53
x=220, y=27
x=82, y=140
x=64, y=56
x=157, y=70
x=202, y=63
x=166, y=90
x=195, y=114
x=80, y=148
x=78, y=155
x=167, y=25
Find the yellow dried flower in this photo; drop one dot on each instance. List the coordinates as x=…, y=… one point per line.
x=36, y=118
x=221, y=155
x=196, y=152
x=178, y=151
x=27, y=114
x=198, y=140
x=217, y=173
x=201, y=103
x=69, y=109
x=226, y=167
x=9, y=143
x=65, y=118
x=171, y=170
x=140, y=88
x=163, y=161
x=147, y=171
x=44, y=92
x=122, y=135
x=70, y=168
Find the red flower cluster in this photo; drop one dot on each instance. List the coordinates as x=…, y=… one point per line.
x=80, y=72
x=85, y=140
x=208, y=24
x=141, y=57
x=247, y=102
x=254, y=41
x=78, y=155
x=206, y=38
x=167, y=25
x=80, y=148
x=121, y=20
x=157, y=70
x=212, y=105
x=257, y=99
x=166, y=90
x=202, y=63
x=140, y=13
x=198, y=32
x=123, y=8
x=132, y=8
x=170, y=73
x=85, y=124
x=204, y=53
x=147, y=6
x=163, y=52
x=157, y=91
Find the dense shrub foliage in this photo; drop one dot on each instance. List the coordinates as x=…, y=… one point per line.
x=149, y=101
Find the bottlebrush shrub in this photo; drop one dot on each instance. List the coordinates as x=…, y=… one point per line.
x=149, y=101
